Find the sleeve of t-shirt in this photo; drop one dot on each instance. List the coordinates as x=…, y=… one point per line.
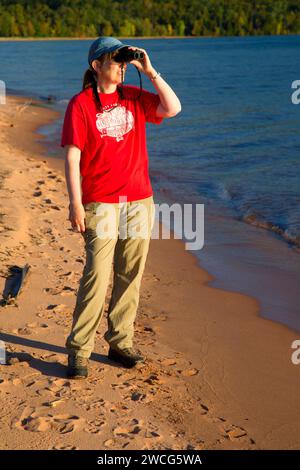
x=150, y=102
x=74, y=126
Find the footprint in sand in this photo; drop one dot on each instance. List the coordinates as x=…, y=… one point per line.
x=39, y=420
x=94, y=405
x=95, y=426
x=153, y=435
x=121, y=386
x=85, y=394
x=58, y=387
x=189, y=372
x=136, y=429
x=160, y=317
x=154, y=379
x=52, y=310
x=236, y=433
x=68, y=275
x=134, y=392
x=168, y=362
x=60, y=322
x=51, y=291
x=31, y=325
x=67, y=290
x=98, y=378
x=149, y=329
x=18, y=359
x=23, y=331
x=32, y=383
x=146, y=296
x=57, y=208
x=64, y=447
x=204, y=410
x=4, y=383
x=109, y=443
x=228, y=431
x=53, y=358
x=143, y=397
x=36, y=328
x=139, y=388
x=45, y=315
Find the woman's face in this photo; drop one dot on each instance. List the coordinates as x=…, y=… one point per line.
x=110, y=71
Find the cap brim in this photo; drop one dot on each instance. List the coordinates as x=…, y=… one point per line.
x=121, y=47
x=111, y=49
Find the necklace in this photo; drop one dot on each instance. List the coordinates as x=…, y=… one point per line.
x=118, y=102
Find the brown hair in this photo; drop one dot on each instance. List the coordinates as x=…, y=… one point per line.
x=90, y=78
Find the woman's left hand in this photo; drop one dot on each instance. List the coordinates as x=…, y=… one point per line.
x=144, y=65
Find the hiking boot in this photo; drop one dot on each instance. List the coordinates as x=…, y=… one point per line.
x=125, y=356
x=77, y=367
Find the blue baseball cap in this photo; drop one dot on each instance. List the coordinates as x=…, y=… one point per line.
x=103, y=45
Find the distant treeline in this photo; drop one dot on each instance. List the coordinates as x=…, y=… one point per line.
x=82, y=18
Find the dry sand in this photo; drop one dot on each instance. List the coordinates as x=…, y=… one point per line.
x=217, y=375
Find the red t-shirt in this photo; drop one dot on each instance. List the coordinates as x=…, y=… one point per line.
x=114, y=156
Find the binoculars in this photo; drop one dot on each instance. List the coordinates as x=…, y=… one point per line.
x=126, y=55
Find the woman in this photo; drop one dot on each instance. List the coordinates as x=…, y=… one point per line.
x=104, y=132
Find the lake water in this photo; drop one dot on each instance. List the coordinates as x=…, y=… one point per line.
x=234, y=147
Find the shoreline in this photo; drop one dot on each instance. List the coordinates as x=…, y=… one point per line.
x=211, y=356
x=93, y=38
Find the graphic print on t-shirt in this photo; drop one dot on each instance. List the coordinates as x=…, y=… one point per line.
x=115, y=123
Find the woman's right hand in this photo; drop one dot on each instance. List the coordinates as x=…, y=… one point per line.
x=77, y=216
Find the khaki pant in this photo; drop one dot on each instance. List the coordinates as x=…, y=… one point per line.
x=117, y=234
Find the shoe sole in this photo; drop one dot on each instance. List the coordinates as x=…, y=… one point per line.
x=76, y=377
x=123, y=362
x=71, y=375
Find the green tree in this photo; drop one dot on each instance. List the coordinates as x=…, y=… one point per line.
x=127, y=28
x=5, y=24
x=197, y=28
x=14, y=29
x=180, y=28
x=148, y=17
x=30, y=29
x=147, y=27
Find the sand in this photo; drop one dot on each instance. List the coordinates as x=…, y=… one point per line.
x=217, y=375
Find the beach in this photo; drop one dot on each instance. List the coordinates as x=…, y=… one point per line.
x=217, y=375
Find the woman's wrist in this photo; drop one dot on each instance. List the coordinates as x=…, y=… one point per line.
x=152, y=74
x=75, y=203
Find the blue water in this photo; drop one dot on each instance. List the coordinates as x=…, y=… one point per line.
x=234, y=147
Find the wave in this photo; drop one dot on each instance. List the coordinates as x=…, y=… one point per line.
x=260, y=222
